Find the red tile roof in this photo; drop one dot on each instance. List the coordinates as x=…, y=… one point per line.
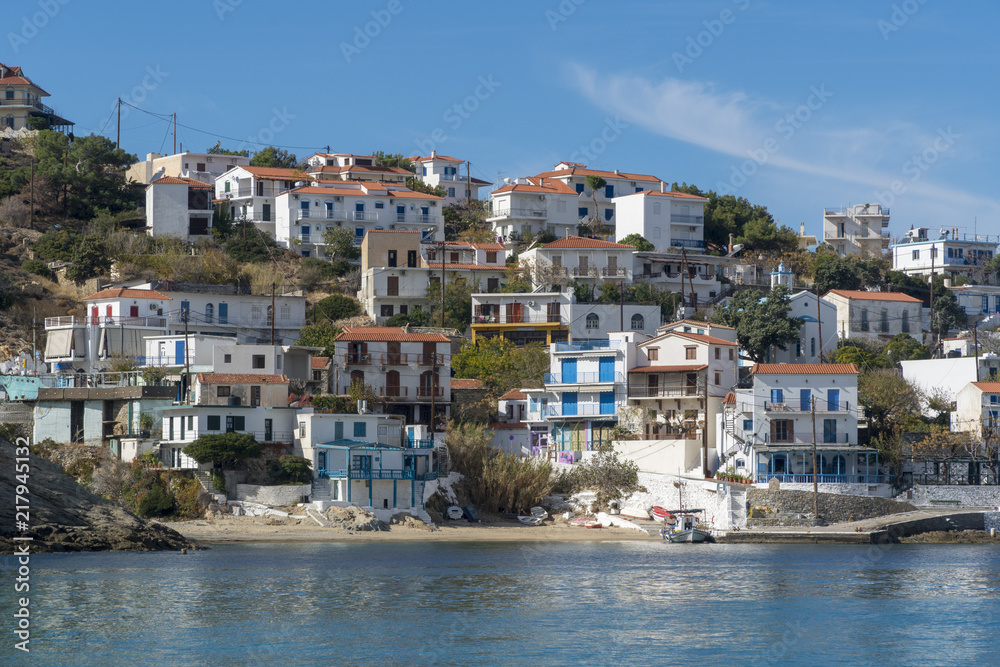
x=463, y=383
x=581, y=242
x=488, y=246
x=387, y=334
x=730, y=399
x=704, y=338
x=514, y=395
x=673, y=195
x=241, y=378
x=988, y=387
x=539, y=185
x=805, y=369
x=127, y=293
x=320, y=362
x=422, y=158
x=668, y=369
x=275, y=173
x=582, y=171
x=20, y=81
x=873, y=296
x=181, y=180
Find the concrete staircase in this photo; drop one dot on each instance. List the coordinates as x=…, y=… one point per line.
x=206, y=483
x=444, y=461
x=321, y=490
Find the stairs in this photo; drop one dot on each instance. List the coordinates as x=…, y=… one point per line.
x=444, y=461
x=206, y=483
x=737, y=509
x=320, y=490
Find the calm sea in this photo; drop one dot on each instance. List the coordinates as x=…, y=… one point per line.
x=488, y=603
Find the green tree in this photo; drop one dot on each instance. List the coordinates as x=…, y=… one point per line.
x=611, y=477
x=337, y=307
x=831, y=271
x=750, y=224
x=638, y=242
x=500, y=365
x=891, y=402
x=251, y=244
x=291, y=469
x=417, y=317
x=57, y=245
x=457, y=303
x=217, y=149
x=418, y=185
x=383, y=159
x=904, y=347
x=274, y=158
x=90, y=258
x=340, y=243
x=223, y=225
x=596, y=226
x=225, y=449
x=321, y=335
x=761, y=320
x=860, y=352
x=38, y=267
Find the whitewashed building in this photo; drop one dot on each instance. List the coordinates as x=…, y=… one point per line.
x=532, y=205
x=178, y=207
x=249, y=192
x=349, y=167
x=202, y=167
x=817, y=340
x=977, y=409
x=666, y=219
x=876, y=315
x=586, y=260
x=860, y=229
x=446, y=171
x=953, y=254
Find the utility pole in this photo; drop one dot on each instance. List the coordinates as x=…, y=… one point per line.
x=118, y=134
x=272, y=314
x=975, y=343
x=175, y=133
x=704, y=431
x=621, y=305
x=815, y=472
x=34, y=351
x=819, y=325
x=442, y=284
x=31, y=197
x=933, y=346
x=187, y=367
x=433, y=388
x=468, y=184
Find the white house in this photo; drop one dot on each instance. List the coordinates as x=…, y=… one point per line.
x=178, y=207
x=22, y=102
x=528, y=206
x=252, y=389
x=665, y=219
x=876, y=315
x=586, y=260
x=304, y=213
x=445, y=171
x=944, y=378
x=249, y=192
x=977, y=409
x=349, y=167
x=202, y=167
x=861, y=229
x=953, y=254
x=818, y=333
x=694, y=276
x=978, y=302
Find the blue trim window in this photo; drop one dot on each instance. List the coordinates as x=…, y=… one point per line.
x=360, y=429
x=223, y=313
x=609, y=191
x=425, y=171
x=609, y=213
x=747, y=424
x=209, y=313
x=579, y=188
x=777, y=396
x=583, y=211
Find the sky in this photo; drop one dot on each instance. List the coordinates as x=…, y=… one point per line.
x=796, y=106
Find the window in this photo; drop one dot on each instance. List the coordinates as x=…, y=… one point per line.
x=256, y=312
x=380, y=204
x=302, y=429
x=718, y=353
x=223, y=313
x=798, y=347
x=905, y=322
x=170, y=428
x=829, y=430
x=424, y=173
x=582, y=212
x=234, y=424
x=656, y=232
x=690, y=353
x=812, y=346
x=777, y=396
x=864, y=320
x=227, y=358
x=656, y=208
x=579, y=188
x=258, y=361
x=391, y=258
x=285, y=311
x=209, y=313
x=491, y=256
x=732, y=354
x=561, y=206
x=317, y=376
x=411, y=258
x=451, y=192
x=222, y=391
x=214, y=423
x=747, y=424
x=609, y=213
x=609, y=191
x=916, y=254
x=360, y=429
x=593, y=322
x=718, y=378
x=951, y=253
x=885, y=320
x=386, y=310
x=392, y=286
x=638, y=323
x=654, y=354
x=782, y=430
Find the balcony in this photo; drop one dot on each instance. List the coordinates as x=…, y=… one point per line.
x=321, y=214
x=105, y=321
x=305, y=238
x=397, y=359
x=584, y=378
x=583, y=346
x=581, y=410
x=518, y=318
x=236, y=193
x=427, y=392
x=430, y=360
x=384, y=392
x=695, y=244
x=825, y=479
x=530, y=213
x=372, y=473
x=357, y=359
x=839, y=439
x=690, y=219
x=610, y=272
x=667, y=391
x=799, y=406
x=425, y=443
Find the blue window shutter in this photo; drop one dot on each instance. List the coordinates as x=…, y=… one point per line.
x=223, y=313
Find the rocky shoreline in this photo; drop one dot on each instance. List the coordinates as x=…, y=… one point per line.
x=64, y=516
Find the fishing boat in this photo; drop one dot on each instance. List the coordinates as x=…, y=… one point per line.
x=685, y=530
x=539, y=513
x=585, y=521
x=662, y=514
x=530, y=520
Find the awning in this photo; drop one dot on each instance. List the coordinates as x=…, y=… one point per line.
x=59, y=343
x=122, y=342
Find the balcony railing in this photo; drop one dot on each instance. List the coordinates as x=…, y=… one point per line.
x=517, y=318
x=372, y=473
x=519, y=213
x=687, y=243
x=430, y=360
x=666, y=391
x=825, y=478
x=839, y=438
x=34, y=104
x=105, y=320
x=800, y=406
x=581, y=410
x=582, y=345
x=427, y=392
x=237, y=192
x=384, y=392
x=583, y=378
x=420, y=443
x=321, y=214
x=613, y=272
x=687, y=218
x=358, y=359
x=396, y=359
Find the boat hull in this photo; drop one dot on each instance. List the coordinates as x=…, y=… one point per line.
x=689, y=535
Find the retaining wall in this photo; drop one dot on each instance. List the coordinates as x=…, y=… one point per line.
x=833, y=507
x=288, y=494
x=966, y=496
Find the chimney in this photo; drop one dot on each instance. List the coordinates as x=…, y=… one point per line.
x=730, y=239
x=434, y=153
x=802, y=229
x=663, y=186
x=617, y=173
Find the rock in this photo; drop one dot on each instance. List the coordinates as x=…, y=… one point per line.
x=64, y=516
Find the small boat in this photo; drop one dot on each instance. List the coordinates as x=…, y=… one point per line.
x=585, y=521
x=539, y=512
x=685, y=530
x=635, y=513
x=662, y=513
x=530, y=520
x=455, y=513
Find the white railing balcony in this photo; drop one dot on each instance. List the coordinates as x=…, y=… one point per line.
x=534, y=214
x=105, y=320
x=690, y=219
x=321, y=214
x=364, y=216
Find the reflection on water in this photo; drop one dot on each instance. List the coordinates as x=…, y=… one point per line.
x=537, y=604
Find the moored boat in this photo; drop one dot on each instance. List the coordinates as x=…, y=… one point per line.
x=530, y=520
x=685, y=530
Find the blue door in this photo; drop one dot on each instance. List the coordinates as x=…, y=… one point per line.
x=400, y=214
x=321, y=461
x=833, y=399
x=179, y=350
x=569, y=403
x=777, y=396
x=338, y=431
x=223, y=313
x=607, y=402
x=304, y=207
x=569, y=372
x=805, y=400
x=607, y=369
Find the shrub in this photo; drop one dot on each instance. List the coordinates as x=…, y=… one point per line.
x=224, y=448
x=289, y=469
x=612, y=478
x=155, y=502
x=218, y=480
x=38, y=267
x=337, y=307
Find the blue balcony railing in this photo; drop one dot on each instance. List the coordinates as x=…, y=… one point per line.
x=826, y=479
x=365, y=473
x=583, y=345
x=797, y=405
x=424, y=443
x=583, y=378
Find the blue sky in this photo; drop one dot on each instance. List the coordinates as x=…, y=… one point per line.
x=797, y=106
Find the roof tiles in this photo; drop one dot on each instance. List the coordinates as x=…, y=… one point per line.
x=805, y=369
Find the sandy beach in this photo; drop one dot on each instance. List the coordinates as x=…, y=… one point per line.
x=227, y=529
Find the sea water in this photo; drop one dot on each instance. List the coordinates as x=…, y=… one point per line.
x=611, y=603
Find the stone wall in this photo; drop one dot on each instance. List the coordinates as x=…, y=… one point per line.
x=833, y=507
x=964, y=496
x=991, y=521
x=879, y=490
x=288, y=494
x=697, y=494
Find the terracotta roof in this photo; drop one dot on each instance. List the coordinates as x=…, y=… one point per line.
x=462, y=383
x=668, y=369
x=730, y=399
x=581, y=242
x=537, y=184
x=805, y=369
x=241, y=378
x=181, y=180
x=704, y=338
x=276, y=173
x=988, y=387
x=673, y=195
x=422, y=158
x=873, y=296
x=582, y=171
x=20, y=81
x=387, y=334
x=514, y=395
x=127, y=293
x=320, y=362
x=334, y=169
x=488, y=246
x=317, y=190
